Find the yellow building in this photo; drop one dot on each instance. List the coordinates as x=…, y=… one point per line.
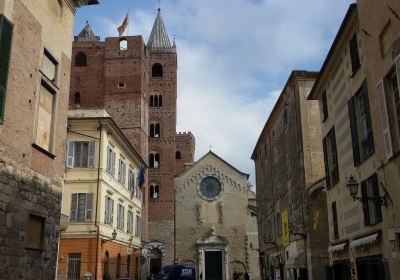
x=102, y=199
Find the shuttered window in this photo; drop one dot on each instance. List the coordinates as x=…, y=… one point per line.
x=385, y=120
x=360, y=125
x=130, y=222
x=330, y=159
x=81, y=154
x=324, y=106
x=122, y=172
x=109, y=211
x=110, y=161
x=6, y=30
x=354, y=54
x=372, y=210
x=131, y=181
x=81, y=207
x=121, y=217
x=138, y=226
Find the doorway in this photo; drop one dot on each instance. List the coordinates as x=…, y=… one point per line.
x=155, y=261
x=213, y=265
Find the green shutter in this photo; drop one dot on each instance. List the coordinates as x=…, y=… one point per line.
x=378, y=208
x=6, y=29
x=370, y=142
x=364, y=195
x=354, y=132
x=327, y=174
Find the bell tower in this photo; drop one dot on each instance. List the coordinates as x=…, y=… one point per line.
x=161, y=97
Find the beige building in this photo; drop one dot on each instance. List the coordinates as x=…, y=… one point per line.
x=35, y=61
x=102, y=199
x=216, y=226
x=291, y=197
x=358, y=95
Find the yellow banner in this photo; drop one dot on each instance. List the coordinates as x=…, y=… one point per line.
x=285, y=228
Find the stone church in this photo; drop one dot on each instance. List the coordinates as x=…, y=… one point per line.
x=216, y=225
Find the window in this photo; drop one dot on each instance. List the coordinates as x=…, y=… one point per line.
x=123, y=44
x=330, y=159
x=81, y=207
x=35, y=232
x=77, y=99
x=157, y=70
x=360, y=125
x=154, y=160
x=47, y=101
x=128, y=266
x=121, y=217
x=138, y=226
x=335, y=221
x=121, y=85
x=110, y=161
x=106, y=264
x=81, y=154
x=6, y=30
x=177, y=155
x=324, y=106
x=155, y=130
x=130, y=222
x=155, y=101
x=131, y=181
x=80, y=59
x=44, y=130
x=74, y=266
x=372, y=210
x=278, y=224
x=109, y=214
x=354, y=55
x=122, y=172
x=154, y=191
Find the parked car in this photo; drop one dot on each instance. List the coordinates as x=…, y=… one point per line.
x=178, y=272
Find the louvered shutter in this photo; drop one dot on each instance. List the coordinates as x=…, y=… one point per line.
x=364, y=195
x=335, y=169
x=6, y=30
x=371, y=146
x=375, y=186
x=74, y=198
x=89, y=206
x=107, y=212
x=112, y=163
x=70, y=158
x=354, y=132
x=385, y=120
x=111, y=211
x=92, y=153
x=327, y=176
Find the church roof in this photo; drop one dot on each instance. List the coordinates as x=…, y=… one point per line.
x=219, y=158
x=159, y=40
x=87, y=34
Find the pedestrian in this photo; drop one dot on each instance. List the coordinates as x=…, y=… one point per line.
x=235, y=275
x=246, y=276
x=201, y=275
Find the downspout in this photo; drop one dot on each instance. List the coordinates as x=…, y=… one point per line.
x=97, y=203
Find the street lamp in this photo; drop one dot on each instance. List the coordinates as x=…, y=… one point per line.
x=352, y=185
x=113, y=237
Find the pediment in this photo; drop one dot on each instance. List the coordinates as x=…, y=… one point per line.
x=212, y=240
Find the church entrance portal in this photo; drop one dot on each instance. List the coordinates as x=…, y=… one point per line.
x=155, y=261
x=213, y=265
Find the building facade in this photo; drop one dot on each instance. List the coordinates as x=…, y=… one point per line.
x=357, y=92
x=216, y=224
x=289, y=167
x=102, y=200
x=136, y=83
x=34, y=85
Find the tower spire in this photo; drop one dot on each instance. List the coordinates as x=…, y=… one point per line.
x=159, y=41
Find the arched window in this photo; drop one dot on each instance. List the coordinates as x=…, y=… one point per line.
x=77, y=98
x=123, y=44
x=178, y=155
x=154, y=191
x=155, y=130
x=80, y=59
x=157, y=70
x=106, y=265
x=118, y=272
x=128, y=266
x=154, y=160
x=155, y=101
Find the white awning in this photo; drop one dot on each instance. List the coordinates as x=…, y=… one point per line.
x=364, y=241
x=336, y=248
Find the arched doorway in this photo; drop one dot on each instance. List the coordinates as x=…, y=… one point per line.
x=106, y=266
x=155, y=261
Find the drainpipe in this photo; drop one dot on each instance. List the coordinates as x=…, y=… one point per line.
x=97, y=203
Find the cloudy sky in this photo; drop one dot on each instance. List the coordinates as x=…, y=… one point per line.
x=234, y=57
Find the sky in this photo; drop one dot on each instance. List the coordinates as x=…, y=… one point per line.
x=234, y=57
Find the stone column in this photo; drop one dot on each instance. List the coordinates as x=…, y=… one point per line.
x=226, y=255
x=201, y=263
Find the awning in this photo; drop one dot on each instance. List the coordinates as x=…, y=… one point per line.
x=364, y=241
x=298, y=261
x=337, y=248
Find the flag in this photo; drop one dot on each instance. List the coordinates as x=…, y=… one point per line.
x=122, y=27
x=141, y=177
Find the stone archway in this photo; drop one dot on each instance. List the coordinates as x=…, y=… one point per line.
x=154, y=254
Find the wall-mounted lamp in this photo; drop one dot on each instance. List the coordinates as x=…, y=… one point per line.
x=352, y=185
x=113, y=237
